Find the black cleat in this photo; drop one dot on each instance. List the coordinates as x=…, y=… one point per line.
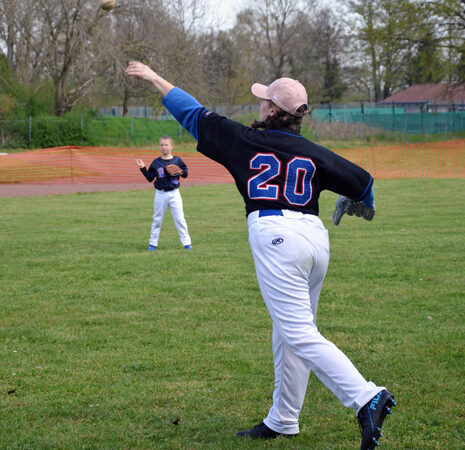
x=371, y=418
x=263, y=432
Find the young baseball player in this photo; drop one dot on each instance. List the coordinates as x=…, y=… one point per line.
x=280, y=175
x=166, y=170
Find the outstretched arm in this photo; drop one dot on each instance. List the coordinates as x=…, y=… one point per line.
x=142, y=72
x=149, y=174
x=185, y=108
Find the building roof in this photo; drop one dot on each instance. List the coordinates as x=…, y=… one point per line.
x=432, y=93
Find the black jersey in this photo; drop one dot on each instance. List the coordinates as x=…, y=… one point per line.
x=278, y=169
x=163, y=180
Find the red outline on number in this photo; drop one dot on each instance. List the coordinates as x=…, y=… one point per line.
x=297, y=179
x=260, y=186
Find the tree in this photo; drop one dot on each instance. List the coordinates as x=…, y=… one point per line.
x=333, y=87
x=140, y=27
x=384, y=29
x=166, y=34
x=270, y=27
x=368, y=34
x=393, y=29
x=329, y=42
x=278, y=18
x=459, y=74
x=448, y=16
x=75, y=42
x=228, y=84
x=248, y=39
x=426, y=65
x=17, y=21
x=65, y=40
x=6, y=89
x=308, y=47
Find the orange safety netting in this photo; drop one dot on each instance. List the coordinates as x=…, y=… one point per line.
x=98, y=165
x=74, y=164
x=444, y=159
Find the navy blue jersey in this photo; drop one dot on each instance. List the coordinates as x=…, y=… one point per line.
x=273, y=169
x=278, y=169
x=163, y=180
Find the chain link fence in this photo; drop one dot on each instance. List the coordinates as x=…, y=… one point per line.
x=428, y=119
x=46, y=132
x=144, y=126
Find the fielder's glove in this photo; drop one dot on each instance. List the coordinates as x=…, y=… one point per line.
x=346, y=205
x=173, y=169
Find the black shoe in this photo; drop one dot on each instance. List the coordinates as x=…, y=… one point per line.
x=371, y=417
x=263, y=432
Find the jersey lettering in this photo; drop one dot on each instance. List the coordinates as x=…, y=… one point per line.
x=298, y=186
x=298, y=181
x=258, y=186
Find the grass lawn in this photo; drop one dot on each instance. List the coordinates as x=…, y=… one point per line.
x=106, y=345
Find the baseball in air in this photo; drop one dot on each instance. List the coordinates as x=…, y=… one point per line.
x=107, y=5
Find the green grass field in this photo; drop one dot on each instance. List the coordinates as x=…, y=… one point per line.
x=105, y=345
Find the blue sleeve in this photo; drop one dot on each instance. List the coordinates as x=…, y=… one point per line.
x=369, y=198
x=186, y=110
x=150, y=174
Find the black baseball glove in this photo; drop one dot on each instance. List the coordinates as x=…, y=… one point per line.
x=345, y=205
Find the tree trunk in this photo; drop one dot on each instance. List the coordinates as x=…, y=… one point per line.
x=125, y=101
x=59, y=98
x=10, y=47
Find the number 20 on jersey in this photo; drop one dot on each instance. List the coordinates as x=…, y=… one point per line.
x=297, y=187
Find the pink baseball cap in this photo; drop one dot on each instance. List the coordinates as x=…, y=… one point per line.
x=290, y=95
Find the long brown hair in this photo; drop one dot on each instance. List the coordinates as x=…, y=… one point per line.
x=281, y=119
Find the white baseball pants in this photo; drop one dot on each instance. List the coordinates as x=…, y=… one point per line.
x=173, y=201
x=291, y=256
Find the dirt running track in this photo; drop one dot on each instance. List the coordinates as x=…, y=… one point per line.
x=66, y=170
x=69, y=170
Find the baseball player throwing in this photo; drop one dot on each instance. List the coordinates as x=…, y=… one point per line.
x=166, y=171
x=280, y=175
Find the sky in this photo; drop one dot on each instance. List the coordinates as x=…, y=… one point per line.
x=222, y=13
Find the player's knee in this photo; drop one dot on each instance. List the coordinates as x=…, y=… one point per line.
x=301, y=336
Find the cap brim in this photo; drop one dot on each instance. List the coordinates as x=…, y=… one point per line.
x=259, y=90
